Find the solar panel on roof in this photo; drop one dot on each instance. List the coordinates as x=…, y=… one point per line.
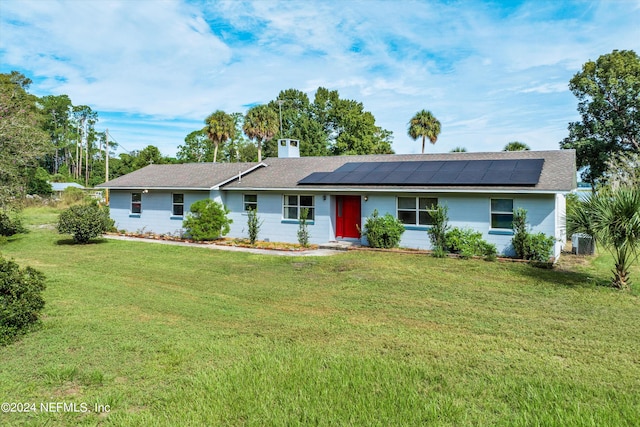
x=453, y=166
x=408, y=166
x=440, y=172
x=476, y=165
x=467, y=177
x=395, y=177
x=348, y=167
x=430, y=166
x=368, y=167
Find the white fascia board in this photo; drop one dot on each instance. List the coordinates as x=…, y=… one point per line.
x=398, y=190
x=159, y=188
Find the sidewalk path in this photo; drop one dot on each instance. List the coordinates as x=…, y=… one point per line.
x=312, y=252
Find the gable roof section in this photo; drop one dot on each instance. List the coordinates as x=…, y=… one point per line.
x=188, y=176
x=558, y=173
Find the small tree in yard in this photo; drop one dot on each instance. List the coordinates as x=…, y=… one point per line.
x=383, y=231
x=10, y=224
x=519, y=232
x=85, y=222
x=438, y=231
x=20, y=299
x=303, y=232
x=612, y=218
x=253, y=225
x=208, y=220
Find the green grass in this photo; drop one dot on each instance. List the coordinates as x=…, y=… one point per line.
x=169, y=335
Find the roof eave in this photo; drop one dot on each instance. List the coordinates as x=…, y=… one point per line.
x=143, y=187
x=402, y=190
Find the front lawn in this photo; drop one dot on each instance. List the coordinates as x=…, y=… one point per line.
x=169, y=335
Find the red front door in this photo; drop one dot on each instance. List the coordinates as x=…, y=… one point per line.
x=347, y=216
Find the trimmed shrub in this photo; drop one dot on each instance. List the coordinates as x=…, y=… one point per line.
x=538, y=247
x=208, y=220
x=534, y=247
x=253, y=225
x=20, y=299
x=303, y=232
x=383, y=232
x=10, y=225
x=520, y=232
x=438, y=230
x=85, y=222
x=468, y=243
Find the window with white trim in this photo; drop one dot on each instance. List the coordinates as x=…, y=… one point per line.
x=250, y=202
x=416, y=210
x=502, y=214
x=294, y=204
x=136, y=203
x=178, y=204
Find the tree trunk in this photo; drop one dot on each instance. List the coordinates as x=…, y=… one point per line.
x=621, y=277
x=423, y=141
x=259, y=151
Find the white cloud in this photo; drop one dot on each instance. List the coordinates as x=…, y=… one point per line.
x=490, y=74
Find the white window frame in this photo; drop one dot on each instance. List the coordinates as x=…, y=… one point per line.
x=250, y=204
x=498, y=212
x=285, y=207
x=136, y=202
x=174, y=204
x=416, y=209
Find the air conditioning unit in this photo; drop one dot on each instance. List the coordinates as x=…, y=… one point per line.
x=582, y=244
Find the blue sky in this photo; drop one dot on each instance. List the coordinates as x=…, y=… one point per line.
x=491, y=72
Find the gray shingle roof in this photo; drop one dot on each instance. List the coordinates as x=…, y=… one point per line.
x=187, y=176
x=558, y=172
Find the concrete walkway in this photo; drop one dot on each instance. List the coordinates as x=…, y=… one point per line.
x=312, y=252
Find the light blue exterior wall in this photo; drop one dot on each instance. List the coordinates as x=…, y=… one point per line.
x=545, y=213
x=274, y=227
x=156, y=215
x=471, y=210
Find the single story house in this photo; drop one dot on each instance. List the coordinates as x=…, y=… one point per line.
x=481, y=190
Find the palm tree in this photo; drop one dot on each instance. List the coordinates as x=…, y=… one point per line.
x=219, y=128
x=612, y=218
x=424, y=125
x=260, y=123
x=458, y=150
x=516, y=146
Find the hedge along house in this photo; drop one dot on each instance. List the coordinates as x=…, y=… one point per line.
x=481, y=191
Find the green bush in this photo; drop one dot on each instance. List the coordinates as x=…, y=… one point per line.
x=519, y=240
x=538, y=247
x=253, y=225
x=38, y=183
x=468, y=243
x=85, y=222
x=438, y=230
x=10, y=224
x=20, y=299
x=534, y=247
x=208, y=220
x=72, y=195
x=383, y=232
x=303, y=232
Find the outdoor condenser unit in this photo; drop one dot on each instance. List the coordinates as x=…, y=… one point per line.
x=582, y=244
